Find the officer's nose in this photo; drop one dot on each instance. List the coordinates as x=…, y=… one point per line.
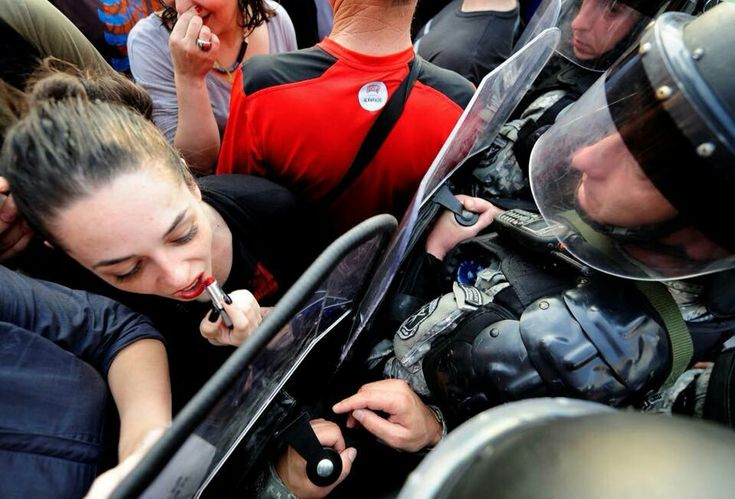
x=585, y=17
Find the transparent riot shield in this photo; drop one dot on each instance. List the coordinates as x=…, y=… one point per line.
x=491, y=106
x=244, y=401
x=545, y=17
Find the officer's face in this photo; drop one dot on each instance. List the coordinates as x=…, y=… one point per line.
x=613, y=190
x=599, y=26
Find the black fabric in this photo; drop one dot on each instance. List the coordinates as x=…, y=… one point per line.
x=377, y=134
x=19, y=57
x=268, y=71
x=446, y=82
x=269, y=226
x=469, y=43
x=719, y=403
x=558, y=74
x=303, y=14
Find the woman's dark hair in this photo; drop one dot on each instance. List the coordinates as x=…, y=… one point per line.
x=63, y=150
x=55, y=79
x=13, y=105
x=254, y=13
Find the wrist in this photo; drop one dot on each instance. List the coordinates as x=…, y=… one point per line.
x=440, y=428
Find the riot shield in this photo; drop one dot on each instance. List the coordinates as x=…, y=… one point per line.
x=244, y=401
x=545, y=17
x=491, y=106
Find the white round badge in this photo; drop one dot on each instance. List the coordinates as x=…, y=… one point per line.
x=373, y=95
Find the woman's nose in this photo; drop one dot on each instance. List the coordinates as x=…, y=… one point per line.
x=175, y=274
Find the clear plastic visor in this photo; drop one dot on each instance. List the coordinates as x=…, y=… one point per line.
x=613, y=218
x=594, y=33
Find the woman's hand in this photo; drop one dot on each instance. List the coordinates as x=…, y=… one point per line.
x=447, y=233
x=244, y=311
x=190, y=61
x=14, y=231
x=291, y=467
x=411, y=425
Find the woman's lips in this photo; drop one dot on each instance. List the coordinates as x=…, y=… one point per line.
x=193, y=291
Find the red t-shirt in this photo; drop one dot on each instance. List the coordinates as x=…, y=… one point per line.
x=300, y=119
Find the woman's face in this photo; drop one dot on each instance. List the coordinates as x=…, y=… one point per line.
x=614, y=190
x=219, y=15
x=599, y=26
x=145, y=233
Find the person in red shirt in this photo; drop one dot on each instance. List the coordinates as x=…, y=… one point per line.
x=299, y=118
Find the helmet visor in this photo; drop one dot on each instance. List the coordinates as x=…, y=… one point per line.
x=615, y=219
x=594, y=33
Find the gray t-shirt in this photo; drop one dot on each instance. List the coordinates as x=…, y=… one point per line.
x=152, y=68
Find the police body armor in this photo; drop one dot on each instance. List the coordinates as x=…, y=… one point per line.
x=539, y=324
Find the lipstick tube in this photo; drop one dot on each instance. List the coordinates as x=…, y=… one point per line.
x=219, y=298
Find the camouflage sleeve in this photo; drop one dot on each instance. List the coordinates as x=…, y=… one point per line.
x=271, y=486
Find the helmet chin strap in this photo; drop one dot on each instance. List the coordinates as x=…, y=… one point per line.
x=641, y=234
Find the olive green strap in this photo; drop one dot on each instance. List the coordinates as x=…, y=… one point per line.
x=682, y=348
x=660, y=299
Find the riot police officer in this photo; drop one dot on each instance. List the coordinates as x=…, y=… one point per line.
x=633, y=181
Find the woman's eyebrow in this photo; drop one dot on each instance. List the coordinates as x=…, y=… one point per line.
x=176, y=223
x=114, y=261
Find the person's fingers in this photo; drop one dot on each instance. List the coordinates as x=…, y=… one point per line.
x=390, y=433
x=348, y=457
x=13, y=235
x=211, y=330
x=205, y=34
x=328, y=434
x=18, y=247
x=194, y=28
x=215, y=43
x=182, y=24
x=244, y=311
x=8, y=209
x=374, y=398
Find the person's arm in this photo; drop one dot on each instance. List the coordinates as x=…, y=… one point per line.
x=197, y=134
x=139, y=382
x=410, y=426
x=170, y=68
x=46, y=28
x=289, y=475
x=447, y=233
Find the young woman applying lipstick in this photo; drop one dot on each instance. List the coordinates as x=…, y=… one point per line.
x=185, y=57
x=118, y=199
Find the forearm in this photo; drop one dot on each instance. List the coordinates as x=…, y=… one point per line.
x=139, y=382
x=197, y=134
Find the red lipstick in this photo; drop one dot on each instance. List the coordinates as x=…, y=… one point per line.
x=195, y=289
x=219, y=298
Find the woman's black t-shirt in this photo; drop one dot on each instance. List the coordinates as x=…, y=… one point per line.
x=273, y=243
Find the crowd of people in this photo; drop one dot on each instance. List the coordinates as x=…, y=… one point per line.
x=247, y=125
